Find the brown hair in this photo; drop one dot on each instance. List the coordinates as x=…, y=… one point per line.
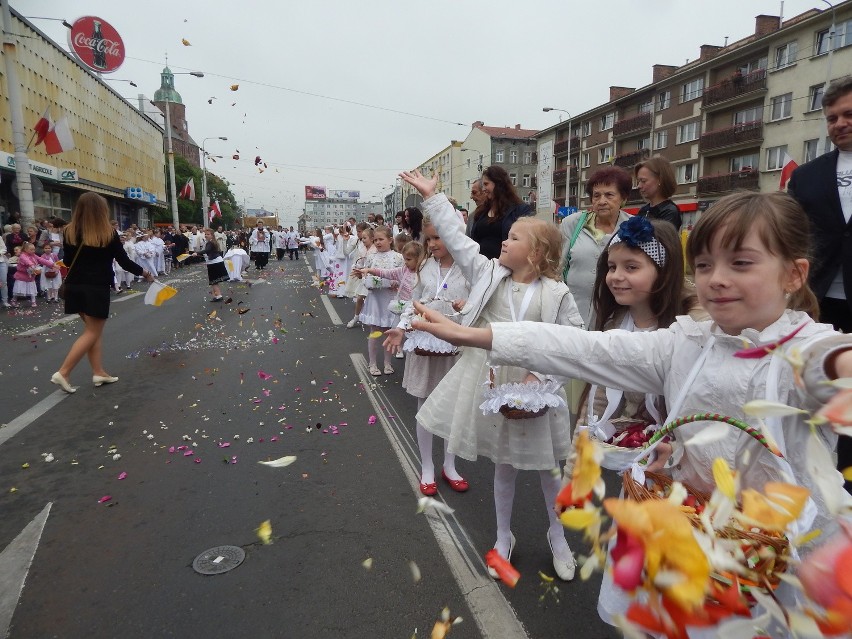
x=666, y=298
x=545, y=242
x=662, y=170
x=781, y=224
x=503, y=196
x=90, y=225
x=611, y=175
x=837, y=90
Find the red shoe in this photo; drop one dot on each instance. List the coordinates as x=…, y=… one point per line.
x=430, y=490
x=458, y=485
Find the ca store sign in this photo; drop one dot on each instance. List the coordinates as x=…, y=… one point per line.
x=7, y=160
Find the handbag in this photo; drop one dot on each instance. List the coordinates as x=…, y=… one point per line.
x=61, y=292
x=577, y=230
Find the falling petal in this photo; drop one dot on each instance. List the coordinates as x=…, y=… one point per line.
x=281, y=462
x=185, y=42
x=505, y=571
x=235, y=87
x=708, y=434
x=430, y=503
x=415, y=571
x=264, y=532
x=844, y=383
x=847, y=473
x=105, y=499
x=375, y=335
x=724, y=478
x=367, y=563
x=371, y=419
x=579, y=518
x=589, y=566
x=122, y=476
x=763, y=408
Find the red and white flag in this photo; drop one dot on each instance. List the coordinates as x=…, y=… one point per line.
x=58, y=138
x=215, y=211
x=188, y=190
x=43, y=126
x=786, y=171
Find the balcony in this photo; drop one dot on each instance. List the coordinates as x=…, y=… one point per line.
x=627, y=160
x=632, y=125
x=746, y=179
x=734, y=87
x=731, y=136
x=560, y=176
x=563, y=145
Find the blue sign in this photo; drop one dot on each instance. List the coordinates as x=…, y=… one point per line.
x=136, y=193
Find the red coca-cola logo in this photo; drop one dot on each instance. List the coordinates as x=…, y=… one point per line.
x=97, y=44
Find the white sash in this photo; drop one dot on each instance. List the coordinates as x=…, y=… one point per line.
x=525, y=302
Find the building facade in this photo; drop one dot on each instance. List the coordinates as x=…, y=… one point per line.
x=167, y=97
x=333, y=211
x=725, y=120
x=118, y=150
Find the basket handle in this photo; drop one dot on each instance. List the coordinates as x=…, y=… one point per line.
x=751, y=431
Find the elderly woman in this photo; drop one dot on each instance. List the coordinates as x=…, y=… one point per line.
x=656, y=181
x=495, y=216
x=586, y=234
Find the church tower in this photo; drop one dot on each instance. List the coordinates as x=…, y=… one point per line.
x=166, y=97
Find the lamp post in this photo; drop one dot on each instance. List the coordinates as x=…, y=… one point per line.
x=831, y=33
x=171, y=152
x=568, y=171
x=205, y=201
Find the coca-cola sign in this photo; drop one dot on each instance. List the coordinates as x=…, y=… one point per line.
x=96, y=44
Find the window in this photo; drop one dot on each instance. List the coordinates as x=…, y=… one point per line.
x=643, y=143
x=513, y=178
x=775, y=157
x=785, y=55
x=468, y=163
x=527, y=157
x=587, y=160
x=468, y=184
x=498, y=155
x=742, y=162
x=752, y=65
x=815, y=97
x=606, y=121
x=573, y=190
x=513, y=157
x=842, y=37
x=646, y=107
x=526, y=181
x=781, y=106
x=687, y=173
x=587, y=128
x=687, y=132
x=661, y=139
x=811, y=150
x=664, y=100
x=526, y=199
x=604, y=155
x=692, y=90
x=748, y=115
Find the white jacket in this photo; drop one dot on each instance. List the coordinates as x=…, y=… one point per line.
x=660, y=361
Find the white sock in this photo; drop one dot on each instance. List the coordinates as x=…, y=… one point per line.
x=550, y=485
x=424, y=443
x=504, y=497
x=372, y=347
x=450, y=463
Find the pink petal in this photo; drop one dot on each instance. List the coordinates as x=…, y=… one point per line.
x=267, y=392
x=198, y=460
x=372, y=419
x=234, y=459
x=224, y=444
x=257, y=401
x=187, y=453
x=104, y=499
x=171, y=449
x=122, y=475
x=282, y=407
x=264, y=376
x=274, y=438
x=627, y=571
x=298, y=389
x=182, y=447
x=260, y=439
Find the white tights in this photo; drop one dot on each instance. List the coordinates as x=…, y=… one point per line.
x=374, y=345
x=427, y=466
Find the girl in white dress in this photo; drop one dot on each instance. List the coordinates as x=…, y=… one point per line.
x=338, y=267
x=159, y=251
x=51, y=278
x=376, y=313
x=440, y=283
x=523, y=284
x=355, y=287
x=146, y=253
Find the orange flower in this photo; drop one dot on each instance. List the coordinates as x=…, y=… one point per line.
x=587, y=468
x=777, y=508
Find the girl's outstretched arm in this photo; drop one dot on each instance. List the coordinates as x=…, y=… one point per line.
x=425, y=186
x=447, y=330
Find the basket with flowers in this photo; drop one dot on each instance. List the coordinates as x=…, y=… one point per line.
x=521, y=400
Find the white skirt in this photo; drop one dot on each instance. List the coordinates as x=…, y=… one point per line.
x=375, y=311
x=25, y=289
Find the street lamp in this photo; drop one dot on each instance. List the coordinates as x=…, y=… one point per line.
x=568, y=171
x=171, y=152
x=205, y=201
x=830, y=34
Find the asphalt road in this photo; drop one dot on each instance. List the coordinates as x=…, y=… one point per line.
x=271, y=374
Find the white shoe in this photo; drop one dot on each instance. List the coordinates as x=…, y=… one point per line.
x=564, y=570
x=399, y=355
x=59, y=380
x=351, y=323
x=491, y=571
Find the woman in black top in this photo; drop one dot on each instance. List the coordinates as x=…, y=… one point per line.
x=91, y=244
x=494, y=217
x=656, y=181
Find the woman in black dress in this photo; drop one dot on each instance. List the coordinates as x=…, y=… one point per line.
x=495, y=216
x=91, y=244
x=655, y=178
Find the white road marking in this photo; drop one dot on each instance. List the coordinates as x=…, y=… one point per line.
x=44, y=327
x=335, y=318
x=492, y=613
x=29, y=416
x=15, y=562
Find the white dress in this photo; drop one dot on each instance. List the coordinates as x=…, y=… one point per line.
x=422, y=373
x=375, y=311
x=50, y=283
x=146, y=255
x=452, y=410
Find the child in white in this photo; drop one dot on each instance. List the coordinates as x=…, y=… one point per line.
x=355, y=287
x=339, y=264
x=376, y=313
x=51, y=278
x=146, y=253
x=440, y=283
x=755, y=297
x=523, y=284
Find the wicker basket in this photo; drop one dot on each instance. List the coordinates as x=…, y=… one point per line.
x=424, y=353
x=516, y=413
x=766, y=553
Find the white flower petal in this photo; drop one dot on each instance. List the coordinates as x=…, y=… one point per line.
x=429, y=503
x=763, y=408
x=821, y=466
x=281, y=462
x=712, y=432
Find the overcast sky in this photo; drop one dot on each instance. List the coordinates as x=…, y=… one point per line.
x=446, y=61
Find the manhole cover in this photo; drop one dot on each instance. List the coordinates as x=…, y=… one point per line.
x=218, y=560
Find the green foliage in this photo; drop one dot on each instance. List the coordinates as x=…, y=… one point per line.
x=189, y=212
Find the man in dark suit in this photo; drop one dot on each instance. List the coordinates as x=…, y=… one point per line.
x=824, y=189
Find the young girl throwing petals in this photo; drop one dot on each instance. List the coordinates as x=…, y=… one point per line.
x=439, y=284
x=404, y=277
x=750, y=257
x=523, y=283
x=51, y=278
x=376, y=313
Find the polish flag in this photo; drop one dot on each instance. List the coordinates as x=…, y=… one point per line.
x=58, y=138
x=786, y=171
x=43, y=126
x=215, y=211
x=188, y=190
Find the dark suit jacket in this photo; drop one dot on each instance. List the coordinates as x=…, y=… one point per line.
x=814, y=185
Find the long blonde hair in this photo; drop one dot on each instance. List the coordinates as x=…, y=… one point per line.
x=90, y=225
x=545, y=243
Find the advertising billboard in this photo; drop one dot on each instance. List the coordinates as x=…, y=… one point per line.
x=96, y=44
x=315, y=193
x=344, y=195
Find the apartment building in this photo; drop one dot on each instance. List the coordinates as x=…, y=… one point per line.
x=724, y=120
x=462, y=162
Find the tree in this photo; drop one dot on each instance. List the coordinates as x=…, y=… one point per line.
x=189, y=211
